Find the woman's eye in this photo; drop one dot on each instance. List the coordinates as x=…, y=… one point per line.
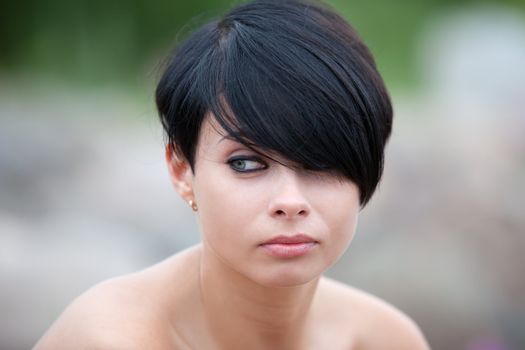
x=246, y=164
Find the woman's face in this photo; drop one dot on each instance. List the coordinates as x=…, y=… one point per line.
x=245, y=200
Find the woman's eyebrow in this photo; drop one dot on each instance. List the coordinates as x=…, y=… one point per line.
x=227, y=137
x=268, y=155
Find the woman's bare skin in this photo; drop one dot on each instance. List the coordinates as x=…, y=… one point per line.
x=162, y=308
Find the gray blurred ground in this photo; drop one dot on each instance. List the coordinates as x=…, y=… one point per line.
x=84, y=195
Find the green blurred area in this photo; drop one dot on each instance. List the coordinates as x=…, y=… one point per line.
x=99, y=42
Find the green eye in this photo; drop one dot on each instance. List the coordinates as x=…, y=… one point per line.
x=245, y=164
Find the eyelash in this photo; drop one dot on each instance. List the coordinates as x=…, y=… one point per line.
x=232, y=160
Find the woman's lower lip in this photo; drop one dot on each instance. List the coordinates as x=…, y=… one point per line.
x=289, y=250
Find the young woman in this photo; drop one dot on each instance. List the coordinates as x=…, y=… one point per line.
x=276, y=119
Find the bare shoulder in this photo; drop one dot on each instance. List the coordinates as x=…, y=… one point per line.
x=105, y=316
x=375, y=323
x=127, y=312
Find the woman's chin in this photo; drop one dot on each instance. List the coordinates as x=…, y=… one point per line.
x=285, y=278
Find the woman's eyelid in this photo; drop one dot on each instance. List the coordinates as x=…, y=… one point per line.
x=247, y=156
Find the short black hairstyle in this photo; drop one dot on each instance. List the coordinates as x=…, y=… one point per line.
x=285, y=76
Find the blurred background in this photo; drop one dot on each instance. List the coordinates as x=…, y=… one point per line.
x=84, y=193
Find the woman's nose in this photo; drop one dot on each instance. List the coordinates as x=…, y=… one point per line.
x=288, y=200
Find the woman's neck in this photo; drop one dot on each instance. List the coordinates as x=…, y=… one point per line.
x=243, y=314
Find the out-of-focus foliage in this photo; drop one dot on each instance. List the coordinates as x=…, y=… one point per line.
x=94, y=41
x=100, y=41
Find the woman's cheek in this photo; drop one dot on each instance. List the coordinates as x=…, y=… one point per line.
x=225, y=208
x=342, y=221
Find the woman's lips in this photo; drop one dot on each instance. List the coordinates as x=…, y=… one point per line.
x=289, y=246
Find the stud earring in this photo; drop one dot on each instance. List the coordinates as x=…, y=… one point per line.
x=192, y=204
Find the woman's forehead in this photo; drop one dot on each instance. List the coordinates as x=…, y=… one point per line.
x=212, y=133
x=213, y=137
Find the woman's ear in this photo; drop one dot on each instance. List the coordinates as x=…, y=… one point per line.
x=180, y=173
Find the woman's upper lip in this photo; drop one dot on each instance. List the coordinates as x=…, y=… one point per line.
x=296, y=239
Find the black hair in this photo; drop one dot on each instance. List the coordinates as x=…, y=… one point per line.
x=284, y=76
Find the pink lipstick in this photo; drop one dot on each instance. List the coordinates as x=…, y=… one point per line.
x=289, y=246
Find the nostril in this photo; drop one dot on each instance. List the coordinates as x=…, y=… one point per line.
x=281, y=212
